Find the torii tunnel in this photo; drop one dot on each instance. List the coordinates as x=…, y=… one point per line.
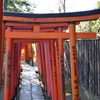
x=46, y=31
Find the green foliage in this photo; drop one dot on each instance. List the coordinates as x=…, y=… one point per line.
x=98, y=5
x=90, y=26
x=19, y=6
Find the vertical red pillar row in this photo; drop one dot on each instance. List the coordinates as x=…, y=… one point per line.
x=8, y=68
x=14, y=78
x=48, y=62
x=47, y=70
x=60, y=68
x=15, y=70
x=42, y=61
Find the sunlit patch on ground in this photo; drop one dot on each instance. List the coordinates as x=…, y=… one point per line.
x=31, y=89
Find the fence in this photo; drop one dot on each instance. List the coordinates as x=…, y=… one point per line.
x=88, y=53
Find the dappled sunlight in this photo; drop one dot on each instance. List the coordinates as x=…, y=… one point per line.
x=31, y=88
x=25, y=91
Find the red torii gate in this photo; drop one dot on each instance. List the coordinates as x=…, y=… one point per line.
x=49, y=47
x=28, y=52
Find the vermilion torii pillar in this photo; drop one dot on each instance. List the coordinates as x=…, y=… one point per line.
x=1, y=39
x=8, y=67
x=32, y=55
x=73, y=62
x=54, y=70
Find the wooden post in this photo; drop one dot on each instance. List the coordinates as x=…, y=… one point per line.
x=43, y=64
x=11, y=77
x=26, y=53
x=19, y=54
x=13, y=74
x=32, y=56
x=37, y=55
x=16, y=63
x=8, y=67
x=54, y=71
x=47, y=70
x=39, y=59
x=57, y=64
x=50, y=69
x=73, y=62
x=1, y=40
x=60, y=67
x=15, y=69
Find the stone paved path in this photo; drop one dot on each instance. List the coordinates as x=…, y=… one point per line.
x=1, y=93
x=31, y=89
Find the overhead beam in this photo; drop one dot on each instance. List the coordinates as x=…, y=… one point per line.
x=46, y=27
x=41, y=25
x=17, y=19
x=52, y=19
x=41, y=30
x=67, y=19
x=40, y=35
x=29, y=40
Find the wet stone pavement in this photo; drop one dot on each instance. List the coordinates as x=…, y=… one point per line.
x=31, y=89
